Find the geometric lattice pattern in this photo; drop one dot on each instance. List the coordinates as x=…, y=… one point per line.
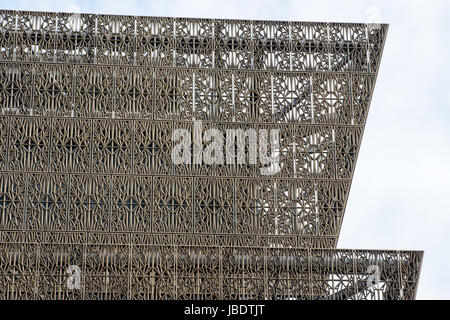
x=142, y=266
x=88, y=105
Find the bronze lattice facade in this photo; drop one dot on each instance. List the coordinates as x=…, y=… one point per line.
x=88, y=105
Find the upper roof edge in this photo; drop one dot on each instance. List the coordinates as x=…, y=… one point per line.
x=195, y=18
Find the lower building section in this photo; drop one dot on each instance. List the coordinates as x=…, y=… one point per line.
x=89, y=265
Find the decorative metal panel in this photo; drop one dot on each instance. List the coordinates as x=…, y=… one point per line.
x=93, y=204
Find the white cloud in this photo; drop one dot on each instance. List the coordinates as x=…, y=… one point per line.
x=400, y=193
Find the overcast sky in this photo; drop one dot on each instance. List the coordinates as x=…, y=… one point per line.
x=400, y=196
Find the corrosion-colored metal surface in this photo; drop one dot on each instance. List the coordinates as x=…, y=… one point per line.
x=93, y=205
